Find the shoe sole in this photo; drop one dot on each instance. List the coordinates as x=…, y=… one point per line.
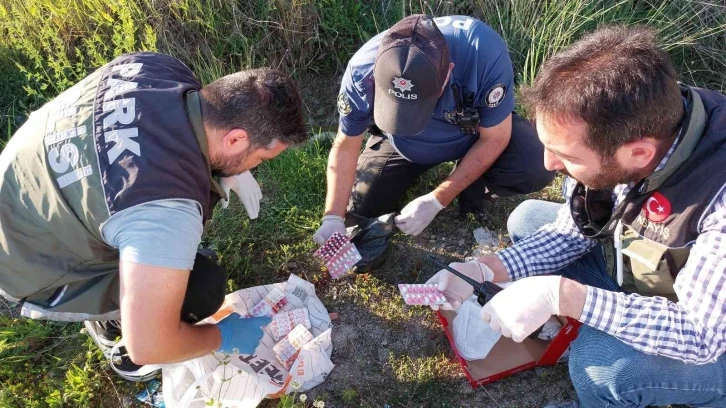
x=143, y=374
x=111, y=349
x=105, y=345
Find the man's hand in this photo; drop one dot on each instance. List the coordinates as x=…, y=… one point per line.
x=247, y=189
x=240, y=333
x=491, y=143
x=497, y=267
x=341, y=172
x=151, y=303
x=331, y=224
x=523, y=306
x=418, y=214
x=454, y=288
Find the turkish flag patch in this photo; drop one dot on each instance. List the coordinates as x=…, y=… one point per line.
x=657, y=208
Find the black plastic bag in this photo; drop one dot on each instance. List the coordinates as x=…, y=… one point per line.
x=371, y=237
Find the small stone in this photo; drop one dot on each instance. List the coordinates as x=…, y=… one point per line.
x=461, y=231
x=433, y=236
x=433, y=241
x=450, y=247
x=462, y=242
x=384, y=342
x=291, y=265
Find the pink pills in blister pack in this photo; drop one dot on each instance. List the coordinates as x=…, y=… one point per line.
x=270, y=305
x=289, y=347
x=284, y=322
x=339, y=255
x=421, y=294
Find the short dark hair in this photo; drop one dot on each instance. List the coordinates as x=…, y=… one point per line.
x=264, y=102
x=615, y=79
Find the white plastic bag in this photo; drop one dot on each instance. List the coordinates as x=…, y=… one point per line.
x=245, y=380
x=472, y=335
x=550, y=329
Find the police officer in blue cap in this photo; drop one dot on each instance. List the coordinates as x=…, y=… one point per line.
x=429, y=90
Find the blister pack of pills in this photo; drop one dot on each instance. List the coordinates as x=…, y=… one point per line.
x=270, y=305
x=339, y=255
x=284, y=322
x=288, y=348
x=421, y=294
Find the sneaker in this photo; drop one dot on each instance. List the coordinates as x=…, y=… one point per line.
x=568, y=404
x=118, y=357
x=102, y=337
x=123, y=366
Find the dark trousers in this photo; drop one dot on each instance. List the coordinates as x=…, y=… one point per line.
x=204, y=296
x=383, y=175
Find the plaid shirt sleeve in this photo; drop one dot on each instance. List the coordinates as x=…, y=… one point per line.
x=551, y=248
x=692, y=330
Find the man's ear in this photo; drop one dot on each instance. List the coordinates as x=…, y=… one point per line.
x=235, y=141
x=638, y=154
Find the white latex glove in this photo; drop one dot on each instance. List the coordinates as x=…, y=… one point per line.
x=418, y=214
x=454, y=288
x=246, y=188
x=331, y=224
x=523, y=306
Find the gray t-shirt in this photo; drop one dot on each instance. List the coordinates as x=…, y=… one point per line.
x=164, y=233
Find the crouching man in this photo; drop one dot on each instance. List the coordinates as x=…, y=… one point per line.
x=637, y=251
x=104, y=192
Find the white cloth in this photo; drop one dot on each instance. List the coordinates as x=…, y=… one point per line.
x=243, y=381
x=474, y=338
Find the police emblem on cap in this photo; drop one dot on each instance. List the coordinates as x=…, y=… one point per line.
x=344, y=105
x=402, y=84
x=495, y=96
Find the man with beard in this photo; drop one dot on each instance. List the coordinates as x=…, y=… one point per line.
x=636, y=252
x=105, y=191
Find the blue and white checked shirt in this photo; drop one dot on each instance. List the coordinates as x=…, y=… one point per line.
x=692, y=330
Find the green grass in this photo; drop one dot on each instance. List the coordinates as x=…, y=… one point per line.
x=50, y=45
x=46, y=46
x=257, y=250
x=49, y=364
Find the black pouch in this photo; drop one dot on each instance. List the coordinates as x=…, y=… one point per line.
x=371, y=237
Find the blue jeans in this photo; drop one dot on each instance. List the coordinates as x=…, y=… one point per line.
x=607, y=372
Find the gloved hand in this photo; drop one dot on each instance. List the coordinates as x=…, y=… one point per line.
x=331, y=224
x=247, y=190
x=243, y=334
x=454, y=288
x=523, y=306
x=418, y=214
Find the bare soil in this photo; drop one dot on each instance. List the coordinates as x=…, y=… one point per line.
x=391, y=356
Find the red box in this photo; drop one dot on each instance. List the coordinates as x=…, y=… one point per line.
x=507, y=356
